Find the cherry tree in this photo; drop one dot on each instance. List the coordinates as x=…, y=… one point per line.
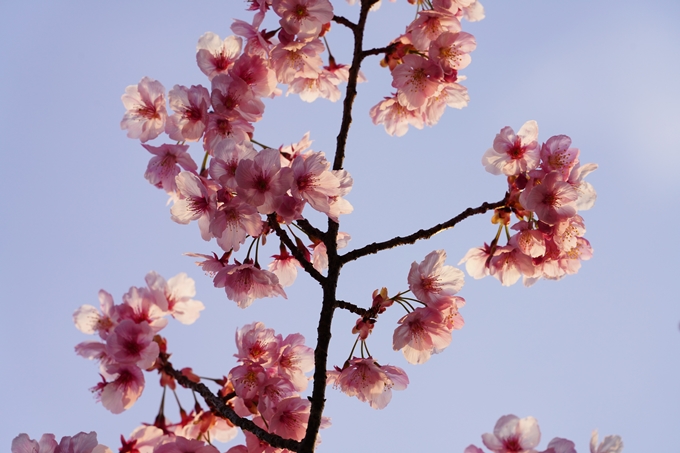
x=253, y=200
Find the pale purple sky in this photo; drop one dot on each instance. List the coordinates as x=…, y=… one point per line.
x=600, y=349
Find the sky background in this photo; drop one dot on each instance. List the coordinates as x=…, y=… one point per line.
x=600, y=349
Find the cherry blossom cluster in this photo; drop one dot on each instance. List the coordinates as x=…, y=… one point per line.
x=424, y=62
x=80, y=443
x=129, y=333
x=514, y=435
x=546, y=190
x=423, y=331
x=237, y=186
x=268, y=381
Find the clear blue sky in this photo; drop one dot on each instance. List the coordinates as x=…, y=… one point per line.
x=597, y=350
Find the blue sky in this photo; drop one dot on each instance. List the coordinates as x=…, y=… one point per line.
x=600, y=349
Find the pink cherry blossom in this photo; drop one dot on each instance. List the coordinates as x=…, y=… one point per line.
x=476, y=260
x=23, y=444
x=231, y=97
x=233, y=221
x=215, y=56
x=256, y=73
x=196, y=200
x=420, y=334
x=257, y=344
x=452, y=95
x=528, y=241
x=176, y=294
x=221, y=127
x=183, y=445
x=295, y=360
x=417, y=79
x=123, y=390
x=586, y=192
x=509, y=264
x=290, y=418
x=146, y=111
x=90, y=320
x=205, y=425
x=557, y=155
x=140, y=305
x=132, y=343
x=431, y=24
x=313, y=182
x=247, y=380
x=552, y=200
x=368, y=381
x=165, y=165
x=559, y=445
x=244, y=283
x=262, y=180
x=256, y=42
x=513, y=435
x=512, y=153
x=610, y=444
x=80, y=443
x=226, y=156
x=324, y=85
x=272, y=391
x=144, y=439
x=396, y=117
x=430, y=279
x=191, y=112
x=284, y=267
x=297, y=59
x=303, y=17
x=452, y=50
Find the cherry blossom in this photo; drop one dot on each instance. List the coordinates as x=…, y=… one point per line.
x=90, y=320
x=303, y=17
x=191, y=112
x=368, y=381
x=215, y=56
x=420, y=334
x=431, y=280
x=125, y=387
x=396, y=117
x=610, y=444
x=416, y=80
x=513, y=435
x=176, y=296
x=132, y=343
x=146, y=111
x=165, y=165
x=512, y=153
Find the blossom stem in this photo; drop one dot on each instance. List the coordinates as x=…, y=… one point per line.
x=204, y=163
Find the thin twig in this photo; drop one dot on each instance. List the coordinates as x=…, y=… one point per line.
x=346, y=22
x=420, y=234
x=220, y=408
x=352, y=308
x=297, y=253
x=377, y=51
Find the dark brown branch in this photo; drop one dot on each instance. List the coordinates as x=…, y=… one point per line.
x=309, y=229
x=352, y=308
x=377, y=51
x=420, y=234
x=220, y=408
x=297, y=253
x=346, y=22
x=351, y=92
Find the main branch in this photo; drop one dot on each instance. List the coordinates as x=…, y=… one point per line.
x=420, y=234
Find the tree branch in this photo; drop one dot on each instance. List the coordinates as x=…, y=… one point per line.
x=377, y=51
x=420, y=234
x=346, y=22
x=352, y=308
x=219, y=407
x=310, y=229
x=351, y=92
x=306, y=265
